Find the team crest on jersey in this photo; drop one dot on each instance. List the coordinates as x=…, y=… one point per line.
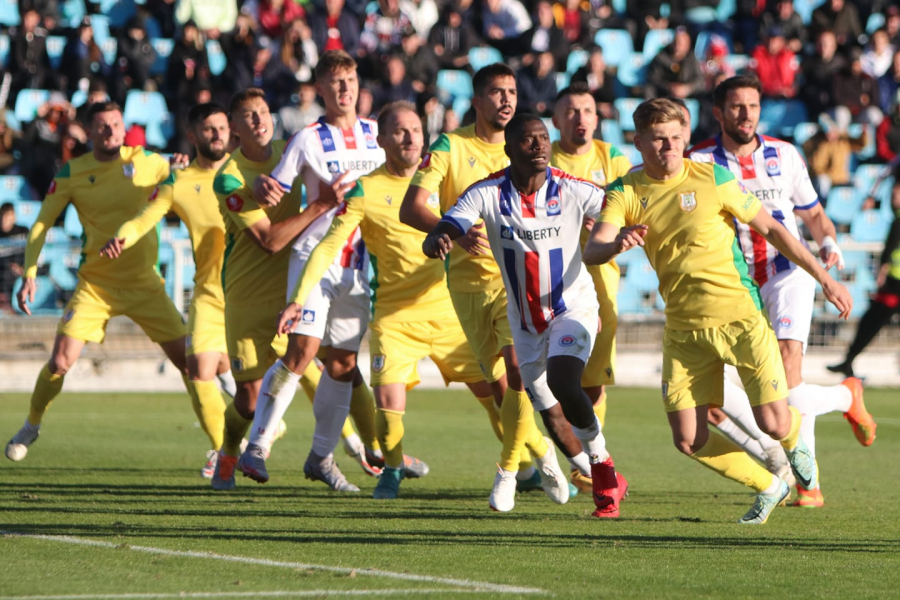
x=334, y=167
x=688, y=201
x=237, y=365
x=599, y=177
x=234, y=203
x=308, y=316
x=371, y=144
x=433, y=200
x=772, y=167
x=506, y=232
x=786, y=322
x=52, y=187
x=644, y=201
x=553, y=207
x=471, y=161
x=377, y=363
x=567, y=340
x=327, y=142
x=426, y=161
x=128, y=170
x=154, y=195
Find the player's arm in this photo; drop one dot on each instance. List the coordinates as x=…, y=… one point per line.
x=823, y=231
x=433, y=169
x=414, y=210
x=54, y=203
x=611, y=234
x=268, y=190
x=133, y=230
x=454, y=225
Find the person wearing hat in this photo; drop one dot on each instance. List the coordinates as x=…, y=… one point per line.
x=775, y=65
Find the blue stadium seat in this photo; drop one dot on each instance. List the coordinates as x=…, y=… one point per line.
x=216, y=57
x=780, y=117
x=642, y=277
x=163, y=47
x=109, y=47
x=725, y=10
x=860, y=302
x=805, y=9
x=843, y=204
x=9, y=13
x=864, y=279
x=700, y=15
x=453, y=84
x=855, y=130
x=611, y=133
x=562, y=80
x=617, y=45
x=875, y=22
x=551, y=129
x=461, y=106
x=71, y=224
x=100, y=26
x=857, y=259
x=626, y=108
x=620, y=6
x=804, y=131
x=632, y=153
x=16, y=187
x=144, y=108
x=72, y=12
x=55, y=46
x=693, y=106
x=630, y=301
x=632, y=72
x=864, y=177
x=44, y=298
x=27, y=104
x=482, y=56
x=577, y=59
x=738, y=62
x=27, y=212
x=4, y=49
x=703, y=39
x=118, y=11
x=656, y=40
x=869, y=226
x=159, y=132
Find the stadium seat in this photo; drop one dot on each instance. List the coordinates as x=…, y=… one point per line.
x=160, y=131
x=482, y=56
x=27, y=104
x=805, y=9
x=109, y=48
x=860, y=302
x=804, y=131
x=725, y=10
x=9, y=13
x=72, y=12
x=611, y=133
x=562, y=80
x=864, y=177
x=632, y=72
x=453, y=84
x=144, y=108
x=738, y=62
x=4, y=49
x=641, y=276
x=461, y=106
x=864, y=279
x=780, y=117
x=843, y=204
x=632, y=153
x=55, y=46
x=551, y=129
x=16, y=187
x=617, y=45
x=630, y=301
x=44, y=297
x=626, y=108
x=620, y=6
x=27, y=212
x=869, y=226
x=656, y=40
x=216, y=57
x=857, y=259
x=71, y=223
x=577, y=59
x=693, y=106
x=118, y=11
x=163, y=47
x=875, y=22
x=855, y=130
x=100, y=26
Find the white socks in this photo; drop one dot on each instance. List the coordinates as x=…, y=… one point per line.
x=227, y=383
x=741, y=439
x=330, y=407
x=592, y=441
x=581, y=462
x=276, y=394
x=737, y=407
x=815, y=400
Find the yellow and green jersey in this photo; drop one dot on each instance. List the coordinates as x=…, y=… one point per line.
x=455, y=161
x=407, y=285
x=691, y=241
x=189, y=193
x=250, y=275
x=105, y=195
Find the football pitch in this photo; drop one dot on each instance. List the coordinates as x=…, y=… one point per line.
x=109, y=503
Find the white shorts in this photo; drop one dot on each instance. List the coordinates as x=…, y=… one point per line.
x=570, y=334
x=337, y=309
x=788, y=298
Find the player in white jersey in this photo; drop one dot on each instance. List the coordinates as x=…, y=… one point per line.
x=775, y=173
x=533, y=216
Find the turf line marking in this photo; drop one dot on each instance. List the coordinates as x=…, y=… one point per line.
x=280, y=594
x=462, y=583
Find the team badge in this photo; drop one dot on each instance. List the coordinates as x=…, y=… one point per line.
x=786, y=322
x=688, y=201
x=644, y=203
x=154, y=195
x=128, y=170
x=237, y=365
x=371, y=144
x=308, y=316
x=567, y=340
x=433, y=201
x=599, y=177
x=553, y=207
x=377, y=363
x=234, y=203
x=68, y=316
x=388, y=199
x=471, y=161
x=334, y=167
x=426, y=161
x=52, y=187
x=327, y=143
x=772, y=167
x=506, y=232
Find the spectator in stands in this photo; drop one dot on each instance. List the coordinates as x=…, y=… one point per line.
x=790, y=22
x=239, y=46
x=888, y=84
x=267, y=72
x=163, y=11
x=452, y=121
x=42, y=141
x=12, y=253
x=74, y=141
x=452, y=38
x=395, y=84
x=537, y=85
x=82, y=59
x=504, y=24
x=675, y=72
x=47, y=9
x=295, y=117
x=573, y=16
x=892, y=24
x=28, y=61
x=8, y=138
x=647, y=14
x=135, y=56
x=715, y=63
x=545, y=36
x=298, y=50
x=838, y=16
x=879, y=54
x=96, y=92
x=819, y=72
x=274, y=15
x=213, y=17
x=423, y=13
x=775, y=65
x=421, y=63
x=335, y=28
x=601, y=80
x=828, y=154
x=200, y=93
x=856, y=93
x=383, y=30
x=887, y=136
x=365, y=104
x=432, y=112
x=188, y=65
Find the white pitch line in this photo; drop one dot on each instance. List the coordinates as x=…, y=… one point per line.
x=280, y=594
x=463, y=583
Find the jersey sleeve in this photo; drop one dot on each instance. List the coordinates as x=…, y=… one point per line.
x=735, y=198
x=292, y=160
x=56, y=200
x=159, y=203
x=466, y=212
x=237, y=202
x=158, y=163
x=591, y=197
x=616, y=209
x=803, y=195
x=435, y=166
x=347, y=219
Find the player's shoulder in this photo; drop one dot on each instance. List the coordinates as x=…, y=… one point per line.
x=139, y=153
x=229, y=177
x=493, y=180
x=565, y=178
x=784, y=148
x=706, y=173
x=702, y=152
x=370, y=123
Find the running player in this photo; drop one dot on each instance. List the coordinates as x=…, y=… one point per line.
x=455, y=161
x=107, y=187
x=579, y=154
x=189, y=193
x=775, y=173
x=681, y=213
x=533, y=214
x=256, y=260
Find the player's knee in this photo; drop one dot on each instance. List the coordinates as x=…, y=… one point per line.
x=341, y=366
x=59, y=364
x=563, y=387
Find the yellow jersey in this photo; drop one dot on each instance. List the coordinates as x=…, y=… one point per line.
x=249, y=274
x=189, y=193
x=455, y=161
x=691, y=241
x=406, y=285
x=105, y=195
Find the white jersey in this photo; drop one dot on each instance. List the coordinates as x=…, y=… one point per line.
x=776, y=174
x=535, y=241
x=321, y=152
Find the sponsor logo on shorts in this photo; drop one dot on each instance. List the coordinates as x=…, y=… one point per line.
x=237, y=365
x=68, y=316
x=506, y=232
x=553, y=207
x=567, y=340
x=308, y=316
x=334, y=167
x=377, y=363
x=234, y=203
x=786, y=322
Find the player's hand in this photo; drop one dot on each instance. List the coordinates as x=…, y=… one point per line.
x=113, y=248
x=475, y=241
x=286, y=318
x=838, y=295
x=267, y=191
x=437, y=246
x=831, y=254
x=588, y=222
x=179, y=160
x=630, y=237
x=26, y=294
x=332, y=194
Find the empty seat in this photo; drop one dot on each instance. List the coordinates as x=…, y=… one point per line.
x=216, y=57
x=452, y=84
x=27, y=212
x=626, y=108
x=869, y=226
x=9, y=13
x=782, y=116
x=144, y=108
x=617, y=45
x=843, y=204
x=482, y=56
x=804, y=131
x=16, y=187
x=577, y=59
x=27, y=104
x=656, y=40
x=163, y=47
x=55, y=46
x=610, y=132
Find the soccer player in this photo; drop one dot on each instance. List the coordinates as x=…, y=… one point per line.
x=107, y=187
x=190, y=194
x=533, y=214
x=775, y=173
x=579, y=154
x=681, y=212
x=257, y=241
x=455, y=161
x=338, y=148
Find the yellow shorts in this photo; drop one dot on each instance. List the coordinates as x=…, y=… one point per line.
x=397, y=348
x=206, y=326
x=600, y=367
x=253, y=346
x=694, y=362
x=91, y=307
x=482, y=316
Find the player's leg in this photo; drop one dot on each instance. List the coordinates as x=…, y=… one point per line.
x=600, y=369
x=390, y=400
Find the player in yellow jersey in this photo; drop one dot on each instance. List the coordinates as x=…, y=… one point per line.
x=454, y=162
x=189, y=193
x=413, y=317
x=257, y=240
x=682, y=213
x=578, y=153
x=107, y=187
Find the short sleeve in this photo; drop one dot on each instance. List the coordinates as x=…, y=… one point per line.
x=435, y=166
x=615, y=209
x=735, y=198
x=292, y=160
x=467, y=210
x=236, y=201
x=803, y=195
x=591, y=196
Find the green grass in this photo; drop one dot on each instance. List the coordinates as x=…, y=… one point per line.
x=124, y=469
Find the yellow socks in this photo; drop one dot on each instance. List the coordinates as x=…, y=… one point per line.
x=46, y=389
x=600, y=409
x=236, y=427
x=789, y=442
x=362, y=411
x=493, y=415
x=210, y=410
x=519, y=431
x=389, y=425
x=309, y=381
x=727, y=459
